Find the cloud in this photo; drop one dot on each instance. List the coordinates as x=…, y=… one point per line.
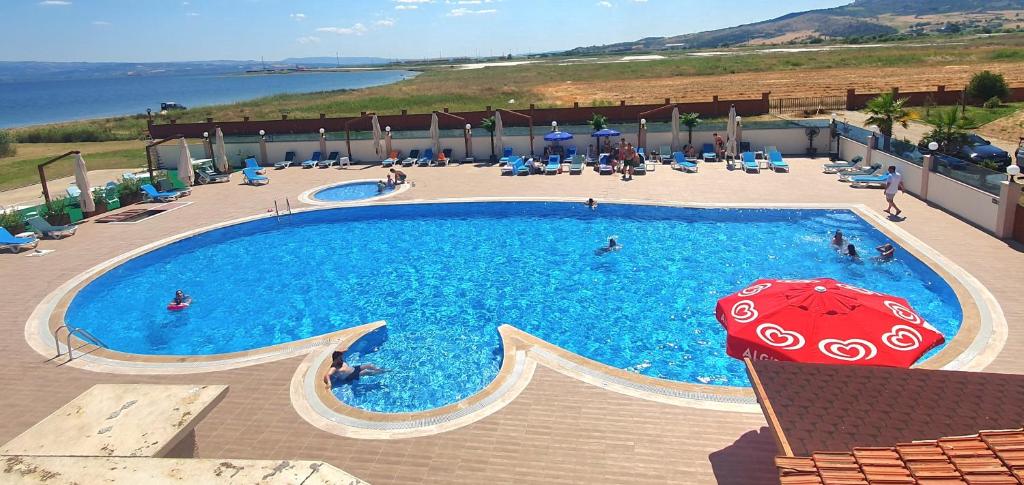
x=604, y=4
x=462, y=12
x=357, y=29
x=406, y=7
x=50, y=3
x=193, y=14
x=101, y=23
x=385, y=23
x=309, y=39
x=298, y=17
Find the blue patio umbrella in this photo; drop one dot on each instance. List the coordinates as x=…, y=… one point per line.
x=558, y=136
x=605, y=133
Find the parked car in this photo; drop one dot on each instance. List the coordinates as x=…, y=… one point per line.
x=954, y=163
x=979, y=150
x=1020, y=153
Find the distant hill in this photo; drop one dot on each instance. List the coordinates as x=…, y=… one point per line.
x=334, y=61
x=860, y=19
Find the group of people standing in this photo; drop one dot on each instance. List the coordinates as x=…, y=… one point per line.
x=623, y=157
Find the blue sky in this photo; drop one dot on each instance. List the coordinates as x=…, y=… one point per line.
x=175, y=30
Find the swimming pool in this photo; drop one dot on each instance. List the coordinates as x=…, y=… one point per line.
x=350, y=191
x=445, y=276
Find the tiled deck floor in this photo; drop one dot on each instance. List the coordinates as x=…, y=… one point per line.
x=558, y=431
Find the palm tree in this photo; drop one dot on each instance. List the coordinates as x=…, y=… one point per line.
x=886, y=111
x=489, y=125
x=598, y=122
x=950, y=130
x=690, y=121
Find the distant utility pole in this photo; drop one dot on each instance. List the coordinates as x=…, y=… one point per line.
x=338, y=56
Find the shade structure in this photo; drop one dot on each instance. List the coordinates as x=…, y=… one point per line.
x=675, y=129
x=220, y=154
x=82, y=181
x=558, y=136
x=378, y=138
x=185, y=164
x=823, y=321
x=730, y=143
x=499, y=129
x=606, y=133
x=435, y=134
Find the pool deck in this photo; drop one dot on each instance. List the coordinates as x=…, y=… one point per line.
x=558, y=430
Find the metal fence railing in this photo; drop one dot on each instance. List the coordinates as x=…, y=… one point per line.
x=818, y=104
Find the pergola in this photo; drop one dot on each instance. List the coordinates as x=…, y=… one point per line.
x=42, y=172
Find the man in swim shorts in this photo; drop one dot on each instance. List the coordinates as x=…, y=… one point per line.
x=400, y=176
x=347, y=373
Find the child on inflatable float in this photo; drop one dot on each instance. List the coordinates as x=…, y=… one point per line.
x=181, y=301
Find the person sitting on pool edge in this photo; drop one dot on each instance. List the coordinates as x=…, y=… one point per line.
x=180, y=298
x=885, y=252
x=347, y=373
x=400, y=176
x=591, y=203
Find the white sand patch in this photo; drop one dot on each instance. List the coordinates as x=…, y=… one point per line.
x=493, y=64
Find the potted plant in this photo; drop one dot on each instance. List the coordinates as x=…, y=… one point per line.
x=489, y=124
x=56, y=212
x=12, y=220
x=100, y=203
x=129, y=191
x=689, y=121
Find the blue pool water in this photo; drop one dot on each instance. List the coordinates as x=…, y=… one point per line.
x=350, y=191
x=444, y=276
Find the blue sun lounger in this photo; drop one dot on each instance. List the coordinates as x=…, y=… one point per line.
x=842, y=166
x=253, y=178
x=708, y=153
x=394, y=158
x=15, y=244
x=554, y=164
x=776, y=162
x=604, y=168
x=254, y=164
x=332, y=159
x=750, y=163
x=680, y=162
x=872, y=169
x=515, y=166
x=506, y=156
x=289, y=159
x=154, y=195
x=411, y=159
x=576, y=165
x=426, y=159
x=869, y=180
x=45, y=229
x=315, y=159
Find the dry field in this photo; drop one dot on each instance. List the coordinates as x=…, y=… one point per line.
x=782, y=84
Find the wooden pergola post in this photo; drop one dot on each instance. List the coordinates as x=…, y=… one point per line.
x=42, y=172
x=348, y=133
x=149, y=155
x=529, y=119
x=462, y=123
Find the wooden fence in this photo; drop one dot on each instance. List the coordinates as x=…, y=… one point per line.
x=815, y=105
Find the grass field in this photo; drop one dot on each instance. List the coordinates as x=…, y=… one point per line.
x=979, y=116
x=21, y=170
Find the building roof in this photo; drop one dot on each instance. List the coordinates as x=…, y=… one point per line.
x=817, y=408
x=989, y=457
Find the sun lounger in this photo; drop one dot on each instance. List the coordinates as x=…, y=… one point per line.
x=427, y=159
x=208, y=176
x=129, y=176
x=506, y=156
x=869, y=180
x=842, y=166
x=252, y=163
x=515, y=166
x=640, y=168
x=411, y=159
x=15, y=244
x=344, y=162
x=315, y=159
x=679, y=162
x=154, y=195
x=289, y=159
x=73, y=191
x=869, y=170
x=45, y=229
x=253, y=178
x=331, y=160
x=444, y=158
x=576, y=165
x=390, y=161
x=112, y=194
x=750, y=163
x=554, y=164
x=708, y=153
x=776, y=163
x=665, y=154
x=604, y=167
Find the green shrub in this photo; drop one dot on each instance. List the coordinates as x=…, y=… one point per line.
x=992, y=103
x=7, y=148
x=55, y=208
x=988, y=85
x=66, y=134
x=12, y=220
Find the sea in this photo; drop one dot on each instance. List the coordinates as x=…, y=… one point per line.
x=48, y=101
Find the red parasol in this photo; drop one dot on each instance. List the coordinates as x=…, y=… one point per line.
x=823, y=321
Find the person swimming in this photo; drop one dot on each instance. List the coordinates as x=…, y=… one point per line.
x=345, y=372
x=851, y=251
x=612, y=246
x=885, y=253
x=837, y=239
x=591, y=203
x=180, y=298
x=381, y=186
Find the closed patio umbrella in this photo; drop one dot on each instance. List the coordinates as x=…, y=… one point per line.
x=185, y=164
x=435, y=135
x=499, y=128
x=378, y=144
x=82, y=181
x=730, y=143
x=220, y=154
x=675, y=129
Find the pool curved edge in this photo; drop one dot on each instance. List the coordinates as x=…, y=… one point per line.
x=980, y=339
x=307, y=196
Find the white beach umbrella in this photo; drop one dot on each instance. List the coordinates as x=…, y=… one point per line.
x=82, y=181
x=730, y=142
x=221, y=154
x=499, y=128
x=435, y=135
x=185, y=164
x=378, y=142
x=675, y=129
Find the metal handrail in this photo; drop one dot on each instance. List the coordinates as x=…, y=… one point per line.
x=84, y=335
x=56, y=338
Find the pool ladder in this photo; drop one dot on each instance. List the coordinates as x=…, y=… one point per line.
x=82, y=334
x=278, y=212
